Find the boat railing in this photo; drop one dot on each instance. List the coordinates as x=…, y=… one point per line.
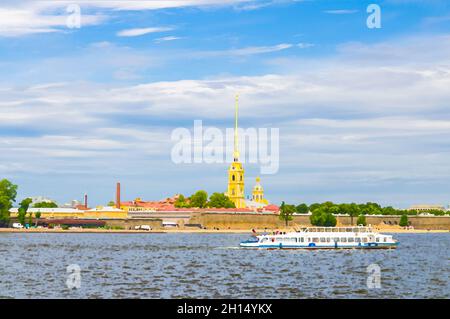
x=354, y=229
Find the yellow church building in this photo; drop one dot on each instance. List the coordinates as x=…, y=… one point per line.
x=258, y=193
x=236, y=181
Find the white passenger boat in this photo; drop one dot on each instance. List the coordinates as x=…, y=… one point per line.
x=323, y=238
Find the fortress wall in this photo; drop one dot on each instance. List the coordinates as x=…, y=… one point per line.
x=418, y=222
x=248, y=221
x=244, y=221
x=272, y=221
x=131, y=223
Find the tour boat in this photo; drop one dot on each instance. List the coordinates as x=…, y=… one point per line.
x=323, y=238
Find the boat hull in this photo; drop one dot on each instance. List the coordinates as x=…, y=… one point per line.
x=313, y=247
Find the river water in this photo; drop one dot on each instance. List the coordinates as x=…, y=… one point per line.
x=211, y=266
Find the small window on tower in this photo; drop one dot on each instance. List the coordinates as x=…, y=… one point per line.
x=233, y=177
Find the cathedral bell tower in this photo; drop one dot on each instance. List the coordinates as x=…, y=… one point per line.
x=236, y=171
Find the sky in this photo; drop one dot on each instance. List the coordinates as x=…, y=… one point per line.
x=363, y=114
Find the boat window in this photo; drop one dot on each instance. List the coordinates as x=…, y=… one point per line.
x=351, y=239
x=385, y=239
x=358, y=240
x=343, y=239
x=378, y=239
x=328, y=239
x=365, y=239
x=315, y=240
x=336, y=239
x=302, y=239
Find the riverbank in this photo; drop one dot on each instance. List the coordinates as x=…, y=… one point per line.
x=120, y=231
x=196, y=231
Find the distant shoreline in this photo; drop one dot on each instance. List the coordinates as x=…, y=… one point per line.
x=186, y=231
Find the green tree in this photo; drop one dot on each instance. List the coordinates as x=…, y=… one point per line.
x=220, y=200
x=333, y=210
x=352, y=210
x=404, y=220
x=45, y=205
x=199, y=199
x=302, y=209
x=323, y=217
x=8, y=193
x=437, y=212
x=37, y=215
x=30, y=219
x=314, y=206
x=286, y=212
x=22, y=213
x=111, y=203
x=412, y=212
x=361, y=220
x=181, y=202
x=389, y=211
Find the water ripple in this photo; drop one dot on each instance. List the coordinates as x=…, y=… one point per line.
x=212, y=266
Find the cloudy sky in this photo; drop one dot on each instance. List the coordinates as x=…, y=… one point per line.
x=363, y=114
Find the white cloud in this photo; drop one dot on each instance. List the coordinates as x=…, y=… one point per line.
x=260, y=50
x=311, y=86
x=255, y=5
x=141, y=31
x=303, y=45
x=158, y=4
x=251, y=50
x=247, y=51
x=18, y=18
x=168, y=38
x=22, y=21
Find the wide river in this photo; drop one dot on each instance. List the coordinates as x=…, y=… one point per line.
x=211, y=266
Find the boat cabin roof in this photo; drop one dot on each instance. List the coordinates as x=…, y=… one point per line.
x=355, y=229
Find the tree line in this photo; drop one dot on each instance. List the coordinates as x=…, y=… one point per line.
x=323, y=214
x=8, y=194
x=200, y=200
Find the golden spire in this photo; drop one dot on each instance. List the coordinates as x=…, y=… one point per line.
x=236, y=140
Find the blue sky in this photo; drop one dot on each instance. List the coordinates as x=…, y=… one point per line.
x=363, y=113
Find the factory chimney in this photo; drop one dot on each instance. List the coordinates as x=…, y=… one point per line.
x=118, y=195
x=86, y=201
